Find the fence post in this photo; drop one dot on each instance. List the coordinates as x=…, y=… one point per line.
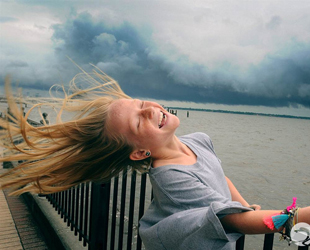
x=99, y=216
x=268, y=242
x=240, y=243
x=141, y=206
x=131, y=209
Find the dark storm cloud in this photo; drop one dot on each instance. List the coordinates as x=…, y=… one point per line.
x=281, y=79
x=94, y=42
x=285, y=75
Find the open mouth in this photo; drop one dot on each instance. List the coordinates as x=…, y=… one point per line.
x=162, y=119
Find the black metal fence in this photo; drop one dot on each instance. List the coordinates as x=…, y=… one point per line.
x=105, y=216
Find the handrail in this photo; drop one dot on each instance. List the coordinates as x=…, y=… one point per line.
x=98, y=214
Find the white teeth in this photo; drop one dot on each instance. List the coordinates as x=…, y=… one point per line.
x=160, y=118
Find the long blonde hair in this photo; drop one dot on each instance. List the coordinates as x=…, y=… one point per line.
x=58, y=156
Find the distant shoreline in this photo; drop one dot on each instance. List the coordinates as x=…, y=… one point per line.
x=3, y=100
x=239, y=112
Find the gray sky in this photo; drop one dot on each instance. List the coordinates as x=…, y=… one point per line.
x=222, y=52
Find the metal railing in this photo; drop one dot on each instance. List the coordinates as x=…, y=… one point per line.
x=73, y=206
x=105, y=216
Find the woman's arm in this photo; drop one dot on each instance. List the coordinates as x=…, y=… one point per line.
x=236, y=196
x=252, y=222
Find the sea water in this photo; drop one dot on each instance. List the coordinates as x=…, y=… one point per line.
x=267, y=158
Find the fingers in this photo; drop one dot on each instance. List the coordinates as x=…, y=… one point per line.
x=255, y=207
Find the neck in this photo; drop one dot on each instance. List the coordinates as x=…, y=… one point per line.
x=174, y=153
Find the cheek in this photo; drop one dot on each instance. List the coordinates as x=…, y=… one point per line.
x=147, y=137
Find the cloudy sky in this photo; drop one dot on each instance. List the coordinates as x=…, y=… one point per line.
x=220, y=52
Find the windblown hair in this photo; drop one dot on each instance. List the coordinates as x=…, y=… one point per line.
x=58, y=156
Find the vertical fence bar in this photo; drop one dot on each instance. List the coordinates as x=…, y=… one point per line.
x=122, y=214
x=54, y=199
x=77, y=209
x=114, y=211
x=141, y=206
x=73, y=221
x=105, y=212
x=69, y=206
x=131, y=208
x=100, y=197
x=86, y=218
x=65, y=205
x=81, y=221
x=62, y=195
x=58, y=200
x=240, y=243
x=268, y=242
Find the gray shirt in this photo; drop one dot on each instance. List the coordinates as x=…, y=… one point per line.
x=188, y=202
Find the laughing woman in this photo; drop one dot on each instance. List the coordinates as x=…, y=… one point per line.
x=194, y=207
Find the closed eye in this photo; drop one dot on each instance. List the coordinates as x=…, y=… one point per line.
x=142, y=103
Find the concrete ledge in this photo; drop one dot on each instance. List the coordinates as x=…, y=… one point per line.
x=58, y=234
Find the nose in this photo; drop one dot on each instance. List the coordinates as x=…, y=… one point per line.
x=148, y=112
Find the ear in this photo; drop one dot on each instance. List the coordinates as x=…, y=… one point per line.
x=138, y=154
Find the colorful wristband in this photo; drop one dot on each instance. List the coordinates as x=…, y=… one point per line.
x=286, y=219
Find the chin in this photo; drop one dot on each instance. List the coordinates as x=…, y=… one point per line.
x=177, y=122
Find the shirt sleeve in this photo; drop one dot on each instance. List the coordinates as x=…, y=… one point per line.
x=197, y=229
x=207, y=141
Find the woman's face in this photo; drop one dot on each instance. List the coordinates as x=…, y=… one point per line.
x=146, y=125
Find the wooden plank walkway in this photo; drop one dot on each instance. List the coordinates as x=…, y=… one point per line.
x=9, y=238
x=19, y=230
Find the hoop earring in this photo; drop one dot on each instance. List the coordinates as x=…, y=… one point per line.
x=148, y=153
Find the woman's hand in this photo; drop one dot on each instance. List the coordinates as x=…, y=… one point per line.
x=255, y=207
